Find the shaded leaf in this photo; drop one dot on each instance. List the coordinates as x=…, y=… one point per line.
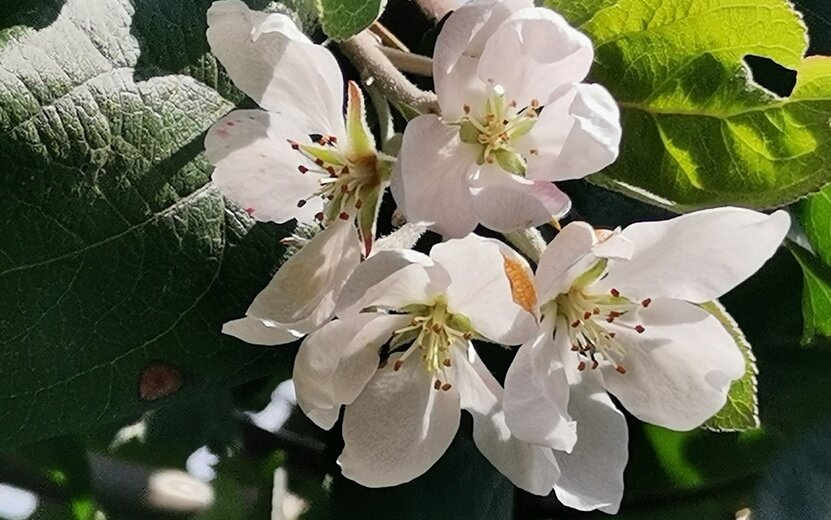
x=344, y=18
x=816, y=294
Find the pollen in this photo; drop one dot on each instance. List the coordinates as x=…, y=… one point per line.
x=522, y=285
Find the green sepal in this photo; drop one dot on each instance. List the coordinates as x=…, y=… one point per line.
x=361, y=141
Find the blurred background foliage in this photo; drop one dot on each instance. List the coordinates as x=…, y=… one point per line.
x=780, y=471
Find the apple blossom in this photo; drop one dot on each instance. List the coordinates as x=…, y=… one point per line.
x=619, y=314
x=515, y=117
x=402, y=414
x=297, y=158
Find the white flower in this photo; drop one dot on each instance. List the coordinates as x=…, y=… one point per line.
x=515, y=117
x=296, y=158
x=301, y=297
x=619, y=314
x=401, y=416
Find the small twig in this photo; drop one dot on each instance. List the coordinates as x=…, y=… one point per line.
x=409, y=62
x=375, y=68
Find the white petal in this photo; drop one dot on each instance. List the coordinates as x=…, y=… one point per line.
x=460, y=89
x=696, y=257
x=283, y=72
x=533, y=54
x=398, y=427
x=577, y=134
x=303, y=292
x=562, y=259
x=537, y=394
x=413, y=284
x=256, y=167
x=592, y=474
x=529, y=467
x=480, y=289
x=260, y=332
x=379, y=266
x=335, y=362
x=505, y=202
x=432, y=176
x=679, y=370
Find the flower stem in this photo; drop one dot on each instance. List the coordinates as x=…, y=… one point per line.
x=375, y=68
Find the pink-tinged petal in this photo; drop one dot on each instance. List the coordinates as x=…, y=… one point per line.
x=413, y=284
x=592, y=474
x=695, y=257
x=576, y=135
x=268, y=58
x=260, y=332
x=529, y=467
x=371, y=272
x=432, y=176
x=303, y=293
x=398, y=427
x=565, y=258
x=678, y=370
x=256, y=167
x=460, y=90
x=507, y=202
x=335, y=362
x=537, y=393
x=481, y=290
x=533, y=54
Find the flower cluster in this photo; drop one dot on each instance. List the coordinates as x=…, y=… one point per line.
x=391, y=334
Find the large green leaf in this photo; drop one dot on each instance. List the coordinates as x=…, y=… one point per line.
x=116, y=252
x=344, y=18
x=697, y=132
x=816, y=294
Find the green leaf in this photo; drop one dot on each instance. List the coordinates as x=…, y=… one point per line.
x=814, y=215
x=697, y=132
x=344, y=18
x=741, y=412
x=117, y=253
x=816, y=294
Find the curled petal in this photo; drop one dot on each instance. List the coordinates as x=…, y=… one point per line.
x=269, y=59
x=481, y=290
x=564, y=260
x=696, y=257
x=335, y=362
x=678, y=370
x=256, y=167
x=533, y=55
x=398, y=427
x=529, y=467
x=576, y=135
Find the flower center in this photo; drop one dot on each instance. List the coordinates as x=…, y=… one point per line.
x=588, y=316
x=346, y=180
x=433, y=332
x=497, y=130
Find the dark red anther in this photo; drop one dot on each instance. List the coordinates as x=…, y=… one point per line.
x=302, y=169
x=615, y=293
x=594, y=364
x=333, y=139
x=301, y=203
x=319, y=216
x=575, y=324
x=437, y=384
x=331, y=171
x=294, y=145
x=639, y=329
x=446, y=362
x=575, y=348
x=397, y=366
x=581, y=365
x=620, y=369
x=344, y=216
x=446, y=387
x=646, y=302
x=319, y=162
x=587, y=315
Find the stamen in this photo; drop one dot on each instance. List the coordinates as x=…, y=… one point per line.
x=615, y=293
x=302, y=169
x=646, y=302
x=446, y=387
x=437, y=384
x=397, y=366
x=344, y=216
x=620, y=369
x=639, y=329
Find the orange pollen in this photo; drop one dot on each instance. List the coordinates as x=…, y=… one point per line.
x=522, y=285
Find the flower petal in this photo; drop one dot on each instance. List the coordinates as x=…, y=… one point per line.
x=260, y=332
x=696, y=257
x=256, y=167
x=431, y=180
x=561, y=262
x=268, y=58
x=505, y=202
x=335, y=362
x=398, y=427
x=481, y=291
x=592, y=474
x=537, y=393
x=577, y=134
x=529, y=467
x=303, y=293
x=679, y=370
x=533, y=55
